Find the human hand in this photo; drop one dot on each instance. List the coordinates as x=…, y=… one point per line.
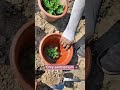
x=66, y=43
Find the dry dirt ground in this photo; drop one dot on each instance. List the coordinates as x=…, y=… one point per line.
x=13, y=14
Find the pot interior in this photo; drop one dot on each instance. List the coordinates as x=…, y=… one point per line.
x=24, y=55
x=53, y=41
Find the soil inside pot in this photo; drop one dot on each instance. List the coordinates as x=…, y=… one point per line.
x=27, y=62
x=46, y=54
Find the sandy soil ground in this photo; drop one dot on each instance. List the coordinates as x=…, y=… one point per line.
x=11, y=19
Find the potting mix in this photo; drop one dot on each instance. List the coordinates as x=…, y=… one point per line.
x=51, y=53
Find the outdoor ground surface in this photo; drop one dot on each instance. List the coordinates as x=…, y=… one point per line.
x=110, y=12
x=11, y=20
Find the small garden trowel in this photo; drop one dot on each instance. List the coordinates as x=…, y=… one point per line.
x=61, y=85
x=72, y=80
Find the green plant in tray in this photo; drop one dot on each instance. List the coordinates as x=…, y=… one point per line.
x=53, y=7
x=53, y=53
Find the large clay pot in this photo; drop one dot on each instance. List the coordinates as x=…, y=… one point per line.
x=52, y=18
x=24, y=37
x=54, y=40
x=88, y=62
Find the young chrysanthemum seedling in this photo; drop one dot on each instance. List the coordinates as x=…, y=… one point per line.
x=53, y=7
x=53, y=53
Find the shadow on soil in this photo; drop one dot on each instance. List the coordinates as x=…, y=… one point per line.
x=43, y=86
x=96, y=77
x=39, y=34
x=61, y=23
x=11, y=19
x=69, y=84
x=76, y=46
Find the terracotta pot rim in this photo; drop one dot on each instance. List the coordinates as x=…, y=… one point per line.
x=89, y=62
x=41, y=54
x=53, y=16
x=18, y=75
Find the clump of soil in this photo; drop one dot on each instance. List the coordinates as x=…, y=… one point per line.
x=48, y=57
x=52, y=77
x=27, y=61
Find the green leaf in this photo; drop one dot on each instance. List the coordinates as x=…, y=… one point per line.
x=60, y=9
x=55, y=48
x=53, y=7
x=56, y=5
x=52, y=52
x=45, y=2
x=50, y=11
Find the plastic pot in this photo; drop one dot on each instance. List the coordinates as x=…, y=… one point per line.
x=23, y=37
x=88, y=62
x=51, y=18
x=54, y=40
